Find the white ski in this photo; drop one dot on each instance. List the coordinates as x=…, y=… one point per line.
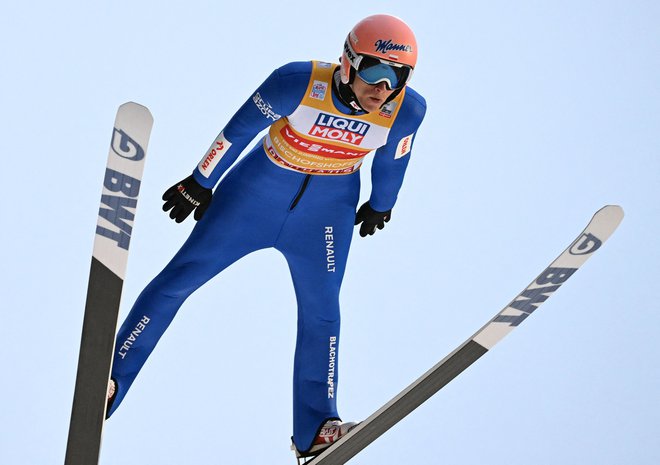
x=121, y=186
x=602, y=225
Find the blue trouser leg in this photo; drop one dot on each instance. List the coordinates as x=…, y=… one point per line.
x=251, y=209
x=315, y=241
x=245, y=215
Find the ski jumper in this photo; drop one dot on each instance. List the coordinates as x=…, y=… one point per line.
x=297, y=191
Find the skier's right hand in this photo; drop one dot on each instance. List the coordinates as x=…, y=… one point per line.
x=186, y=196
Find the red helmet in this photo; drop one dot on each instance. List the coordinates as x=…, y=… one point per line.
x=379, y=48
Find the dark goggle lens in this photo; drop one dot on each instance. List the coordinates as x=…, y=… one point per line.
x=373, y=71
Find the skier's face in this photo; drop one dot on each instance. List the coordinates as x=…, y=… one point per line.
x=370, y=96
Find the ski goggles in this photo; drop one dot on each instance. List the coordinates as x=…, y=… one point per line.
x=374, y=71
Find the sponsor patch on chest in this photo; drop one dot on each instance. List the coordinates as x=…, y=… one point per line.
x=338, y=128
x=319, y=89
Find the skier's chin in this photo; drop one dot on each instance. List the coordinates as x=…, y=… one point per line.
x=371, y=104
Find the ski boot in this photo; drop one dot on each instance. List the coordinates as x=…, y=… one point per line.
x=329, y=433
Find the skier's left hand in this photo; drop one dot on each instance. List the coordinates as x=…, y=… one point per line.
x=371, y=219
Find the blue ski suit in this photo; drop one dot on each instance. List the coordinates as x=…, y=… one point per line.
x=297, y=191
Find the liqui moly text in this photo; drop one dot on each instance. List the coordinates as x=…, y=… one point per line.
x=340, y=129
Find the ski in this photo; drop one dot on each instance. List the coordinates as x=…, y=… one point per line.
x=599, y=229
x=121, y=186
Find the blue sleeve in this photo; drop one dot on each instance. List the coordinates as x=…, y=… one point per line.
x=277, y=96
x=390, y=161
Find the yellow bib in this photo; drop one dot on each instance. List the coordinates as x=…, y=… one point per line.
x=319, y=139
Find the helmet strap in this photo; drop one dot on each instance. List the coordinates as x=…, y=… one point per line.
x=393, y=95
x=345, y=92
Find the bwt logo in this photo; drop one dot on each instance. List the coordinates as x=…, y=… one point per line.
x=338, y=128
x=122, y=191
x=124, y=146
x=537, y=293
x=585, y=245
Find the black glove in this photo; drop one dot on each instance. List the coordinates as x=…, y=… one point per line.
x=186, y=196
x=371, y=219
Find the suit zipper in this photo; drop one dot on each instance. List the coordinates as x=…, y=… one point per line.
x=306, y=181
x=300, y=192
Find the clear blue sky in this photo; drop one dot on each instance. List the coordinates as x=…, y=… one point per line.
x=540, y=112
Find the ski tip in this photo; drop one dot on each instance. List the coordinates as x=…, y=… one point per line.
x=613, y=212
x=135, y=107
x=606, y=221
x=133, y=104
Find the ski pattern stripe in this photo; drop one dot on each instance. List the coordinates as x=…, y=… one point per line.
x=407, y=401
x=121, y=186
x=103, y=296
x=601, y=227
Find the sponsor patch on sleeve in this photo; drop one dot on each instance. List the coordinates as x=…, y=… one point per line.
x=264, y=107
x=213, y=155
x=404, y=146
